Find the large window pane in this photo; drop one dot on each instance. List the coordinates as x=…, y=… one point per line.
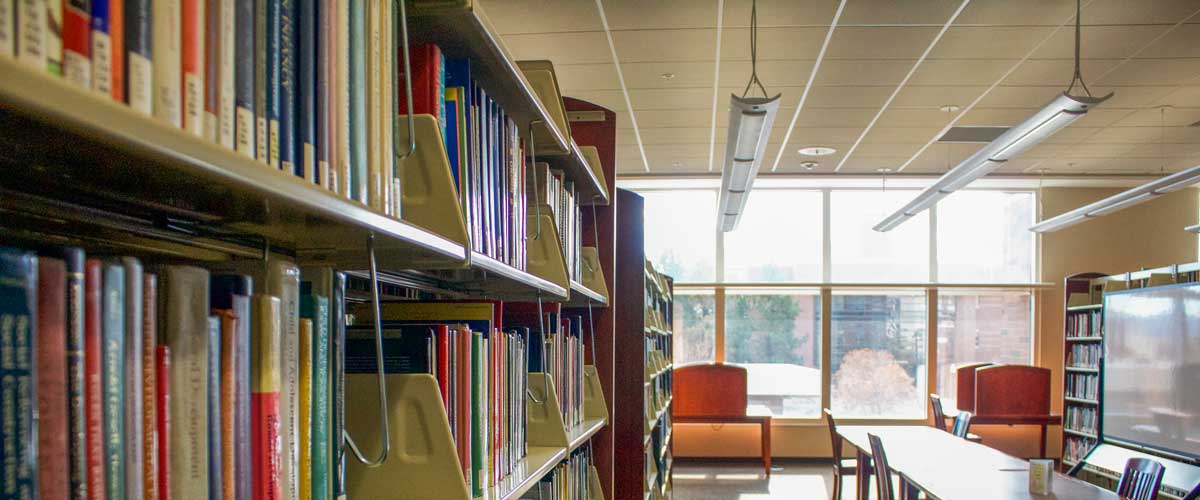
x=776, y=335
x=863, y=255
x=984, y=237
x=979, y=327
x=878, y=354
x=681, y=233
x=777, y=239
x=694, y=326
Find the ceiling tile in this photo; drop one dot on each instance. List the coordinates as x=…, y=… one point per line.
x=689, y=98
x=860, y=72
x=1182, y=96
x=914, y=117
x=826, y=96
x=876, y=12
x=1126, y=12
x=552, y=16
x=1154, y=72
x=988, y=42
x=779, y=13
x=1100, y=42
x=773, y=43
x=1179, y=42
x=773, y=74
x=561, y=48
x=678, y=45
x=1160, y=151
x=891, y=42
x=939, y=72
x=649, y=75
x=1146, y=135
x=659, y=14
x=1050, y=72
x=1175, y=117
x=1018, y=13
x=936, y=97
x=673, y=117
x=575, y=77
x=835, y=117
x=670, y=135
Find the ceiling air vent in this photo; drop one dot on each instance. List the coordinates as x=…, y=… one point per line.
x=972, y=134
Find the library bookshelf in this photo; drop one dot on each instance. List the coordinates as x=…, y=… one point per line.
x=85, y=170
x=1082, y=343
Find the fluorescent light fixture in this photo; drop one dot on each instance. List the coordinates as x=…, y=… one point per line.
x=1124, y=199
x=750, y=122
x=1058, y=113
x=1193, y=228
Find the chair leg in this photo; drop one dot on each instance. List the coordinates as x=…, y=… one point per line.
x=837, y=485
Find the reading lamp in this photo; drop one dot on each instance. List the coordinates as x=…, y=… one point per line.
x=1124, y=199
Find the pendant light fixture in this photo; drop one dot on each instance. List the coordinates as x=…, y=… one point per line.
x=750, y=120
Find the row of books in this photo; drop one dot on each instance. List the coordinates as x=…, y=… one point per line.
x=1076, y=447
x=1085, y=324
x=551, y=189
x=1083, y=385
x=1085, y=355
x=167, y=381
x=1081, y=419
x=560, y=354
x=568, y=481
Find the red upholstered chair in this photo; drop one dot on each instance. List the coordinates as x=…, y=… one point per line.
x=965, y=378
x=716, y=393
x=1012, y=390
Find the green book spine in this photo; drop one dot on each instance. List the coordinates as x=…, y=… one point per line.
x=478, y=415
x=316, y=307
x=112, y=376
x=358, y=100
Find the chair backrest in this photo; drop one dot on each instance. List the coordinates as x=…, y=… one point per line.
x=965, y=385
x=1141, y=479
x=883, y=473
x=1012, y=390
x=939, y=415
x=709, y=390
x=835, y=440
x=962, y=424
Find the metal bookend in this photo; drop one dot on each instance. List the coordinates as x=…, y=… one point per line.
x=400, y=23
x=385, y=439
x=429, y=198
x=544, y=420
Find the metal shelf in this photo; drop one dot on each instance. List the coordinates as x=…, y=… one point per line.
x=487, y=277
x=538, y=461
x=581, y=433
x=1084, y=339
x=581, y=296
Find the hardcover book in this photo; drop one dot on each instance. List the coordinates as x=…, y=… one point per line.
x=211, y=52
x=52, y=433
x=76, y=405
x=139, y=66
x=225, y=68
x=316, y=308
x=54, y=20
x=287, y=92
x=214, y=431
x=337, y=367
x=132, y=392
x=31, y=33
x=77, y=42
x=304, y=479
x=192, y=32
x=167, y=54
x=185, y=325
x=233, y=292
x=306, y=90
x=101, y=48
x=265, y=375
x=245, y=125
x=151, y=488
x=18, y=322
x=357, y=117
x=94, y=390
x=162, y=408
x=112, y=375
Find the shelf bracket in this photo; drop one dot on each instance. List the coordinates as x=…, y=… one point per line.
x=400, y=23
x=386, y=440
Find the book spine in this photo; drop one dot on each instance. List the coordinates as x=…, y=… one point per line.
x=286, y=279
x=134, y=412
x=8, y=31
x=320, y=400
x=116, y=33
x=94, y=394
x=244, y=126
x=211, y=53
x=101, y=48
x=387, y=112
x=243, y=469
x=324, y=86
x=54, y=17
x=162, y=407
x=113, y=378
x=374, y=56
x=139, y=70
x=337, y=385
x=304, y=443
x=305, y=78
x=52, y=435
x=185, y=323
x=76, y=406
x=261, y=149
x=478, y=420
x=31, y=33
x=341, y=95
x=150, y=465
x=264, y=387
x=192, y=59
x=18, y=394
x=166, y=44
x=287, y=91
x=357, y=83
x=213, y=407
x=225, y=107
x=77, y=45
x=227, y=401
x=272, y=69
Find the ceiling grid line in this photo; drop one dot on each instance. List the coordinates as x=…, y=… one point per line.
x=933, y=43
x=621, y=78
x=712, y=137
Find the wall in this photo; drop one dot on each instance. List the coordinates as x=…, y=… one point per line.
x=1147, y=235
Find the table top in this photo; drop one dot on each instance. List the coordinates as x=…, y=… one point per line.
x=1009, y=419
x=950, y=468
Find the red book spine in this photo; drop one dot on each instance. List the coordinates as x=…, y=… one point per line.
x=443, y=363
x=162, y=364
x=150, y=385
x=52, y=378
x=192, y=58
x=77, y=42
x=116, y=34
x=93, y=396
x=425, y=61
x=265, y=411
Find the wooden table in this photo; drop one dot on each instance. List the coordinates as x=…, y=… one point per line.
x=1039, y=420
x=946, y=467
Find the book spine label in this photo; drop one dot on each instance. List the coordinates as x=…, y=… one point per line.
x=213, y=400
x=77, y=46
x=76, y=401
x=116, y=40
x=304, y=443
x=132, y=392
x=287, y=91
x=168, y=87
x=273, y=53
x=94, y=393
x=225, y=109
x=8, y=34
x=150, y=465
x=54, y=17
x=192, y=59
x=162, y=407
x=31, y=33
x=101, y=48
x=357, y=116
x=18, y=393
x=244, y=125
x=212, y=68
x=264, y=395
x=52, y=435
x=139, y=70
x=113, y=378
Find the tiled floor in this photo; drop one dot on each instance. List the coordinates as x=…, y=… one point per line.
x=745, y=480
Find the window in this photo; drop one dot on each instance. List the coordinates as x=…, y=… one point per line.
x=861, y=254
x=694, y=326
x=770, y=247
x=776, y=335
x=990, y=326
x=878, y=354
x=984, y=237
x=681, y=233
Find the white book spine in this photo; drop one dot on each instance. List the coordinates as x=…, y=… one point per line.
x=31, y=32
x=141, y=82
x=225, y=112
x=167, y=71
x=289, y=395
x=342, y=96
x=8, y=16
x=101, y=62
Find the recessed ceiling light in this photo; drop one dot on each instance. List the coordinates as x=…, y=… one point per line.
x=949, y=108
x=676, y=164
x=817, y=151
x=809, y=165
x=667, y=76
x=884, y=170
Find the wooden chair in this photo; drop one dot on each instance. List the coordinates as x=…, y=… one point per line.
x=939, y=415
x=715, y=393
x=842, y=467
x=1141, y=479
x=962, y=423
x=965, y=378
x=883, y=473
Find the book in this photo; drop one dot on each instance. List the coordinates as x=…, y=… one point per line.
x=54, y=18
x=387, y=113
x=261, y=82
x=227, y=401
x=132, y=388
x=94, y=390
x=76, y=423
x=287, y=94
x=226, y=70
x=305, y=75
x=149, y=474
x=77, y=42
x=341, y=114
x=232, y=292
x=191, y=56
x=167, y=53
x=245, y=125
x=162, y=424
x=184, y=320
x=116, y=32
x=324, y=88
x=101, y=48
x=428, y=82
x=357, y=116
x=139, y=68
x=314, y=305
x=211, y=60
x=265, y=376
x=8, y=24
x=337, y=383
x=304, y=479
x=272, y=67
x=18, y=322
x=213, y=439
x=112, y=375
x=31, y=33
x=52, y=434
x=374, y=110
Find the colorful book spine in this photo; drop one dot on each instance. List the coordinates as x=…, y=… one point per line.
x=305, y=78
x=52, y=435
x=192, y=59
x=54, y=17
x=357, y=83
x=227, y=401
x=166, y=43
x=184, y=321
x=113, y=378
x=225, y=106
x=304, y=478
x=272, y=68
x=18, y=324
x=213, y=408
x=337, y=383
x=139, y=68
x=232, y=292
x=374, y=58
x=134, y=430
x=324, y=87
x=31, y=33
x=261, y=81
x=150, y=485
x=244, y=59
x=101, y=47
x=316, y=308
x=341, y=114
x=162, y=406
x=77, y=44
x=288, y=93
x=116, y=33
x=76, y=429
x=264, y=385
x=94, y=393
x=211, y=51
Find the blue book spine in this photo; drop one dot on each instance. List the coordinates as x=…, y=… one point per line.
x=450, y=134
x=18, y=322
x=305, y=60
x=101, y=48
x=112, y=375
x=139, y=74
x=358, y=100
x=273, y=66
x=243, y=76
x=323, y=64
x=337, y=383
x=214, y=407
x=287, y=89
x=262, y=123
x=458, y=74
x=76, y=416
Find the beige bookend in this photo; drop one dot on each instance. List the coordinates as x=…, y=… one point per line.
x=540, y=75
x=1079, y=299
x=422, y=462
x=595, y=491
x=594, y=405
x=593, y=274
x=1159, y=279
x=545, y=259
x=592, y=155
x=544, y=425
x=1115, y=285
x=429, y=198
